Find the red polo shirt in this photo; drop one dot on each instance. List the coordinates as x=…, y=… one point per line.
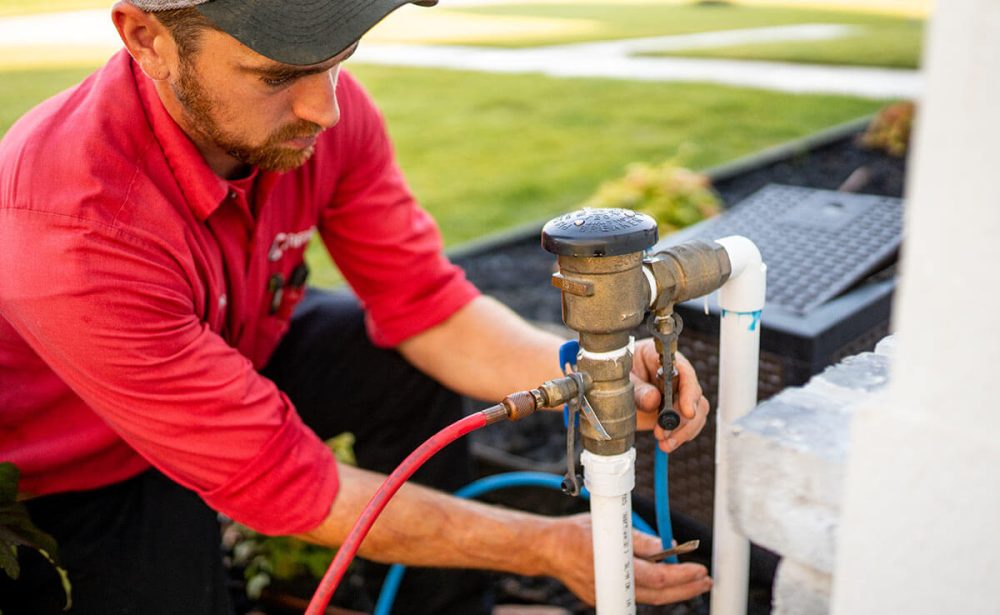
x=135, y=306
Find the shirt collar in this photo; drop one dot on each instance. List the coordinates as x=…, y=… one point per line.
x=204, y=190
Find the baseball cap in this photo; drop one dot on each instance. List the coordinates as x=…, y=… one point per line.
x=296, y=32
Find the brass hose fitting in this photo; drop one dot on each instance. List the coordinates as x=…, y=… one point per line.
x=549, y=394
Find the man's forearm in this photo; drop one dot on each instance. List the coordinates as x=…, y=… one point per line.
x=423, y=527
x=485, y=351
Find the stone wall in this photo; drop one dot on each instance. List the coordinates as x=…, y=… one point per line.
x=789, y=463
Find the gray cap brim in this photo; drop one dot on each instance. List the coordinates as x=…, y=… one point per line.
x=299, y=32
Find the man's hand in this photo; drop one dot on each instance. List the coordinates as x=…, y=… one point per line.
x=689, y=401
x=424, y=527
x=573, y=564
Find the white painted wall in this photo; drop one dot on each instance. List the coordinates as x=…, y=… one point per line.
x=920, y=530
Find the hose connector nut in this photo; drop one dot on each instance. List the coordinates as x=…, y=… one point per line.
x=519, y=405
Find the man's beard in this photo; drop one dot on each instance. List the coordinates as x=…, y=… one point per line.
x=269, y=155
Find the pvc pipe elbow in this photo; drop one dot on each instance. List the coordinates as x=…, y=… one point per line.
x=746, y=287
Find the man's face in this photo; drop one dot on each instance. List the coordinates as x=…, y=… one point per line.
x=252, y=109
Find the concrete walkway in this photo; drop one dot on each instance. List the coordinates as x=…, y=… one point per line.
x=611, y=60
x=615, y=60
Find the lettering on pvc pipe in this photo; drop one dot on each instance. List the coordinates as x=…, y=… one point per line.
x=626, y=518
x=754, y=317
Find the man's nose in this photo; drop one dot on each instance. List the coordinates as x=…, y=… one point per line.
x=316, y=99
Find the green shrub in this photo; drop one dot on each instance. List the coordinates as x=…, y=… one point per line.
x=674, y=196
x=890, y=129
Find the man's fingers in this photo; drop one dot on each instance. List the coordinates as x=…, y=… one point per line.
x=677, y=593
x=646, y=360
x=645, y=544
x=665, y=583
x=647, y=397
x=658, y=576
x=690, y=428
x=689, y=401
x=690, y=389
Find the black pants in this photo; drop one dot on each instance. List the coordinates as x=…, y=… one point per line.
x=148, y=546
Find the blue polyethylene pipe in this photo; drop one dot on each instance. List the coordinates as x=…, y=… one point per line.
x=485, y=485
x=663, y=502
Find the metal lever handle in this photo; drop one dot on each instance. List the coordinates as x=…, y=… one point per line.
x=567, y=361
x=588, y=411
x=666, y=328
x=668, y=418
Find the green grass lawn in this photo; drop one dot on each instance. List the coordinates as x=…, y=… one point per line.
x=894, y=45
x=883, y=40
x=486, y=152
x=22, y=89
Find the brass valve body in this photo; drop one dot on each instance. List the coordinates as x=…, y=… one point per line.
x=608, y=288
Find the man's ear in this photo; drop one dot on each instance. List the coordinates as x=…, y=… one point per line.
x=146, y=39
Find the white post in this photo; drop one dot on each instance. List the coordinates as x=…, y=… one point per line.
x=610, y=480
x=918, y=532
x=741, y=299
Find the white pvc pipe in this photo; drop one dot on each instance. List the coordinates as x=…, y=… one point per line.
x=741, y=299
x=610, y=479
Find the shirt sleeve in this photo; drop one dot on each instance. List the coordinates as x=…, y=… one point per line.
x=387, y=247
x=112, y=314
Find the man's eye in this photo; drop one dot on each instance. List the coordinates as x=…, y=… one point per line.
x=275, y=82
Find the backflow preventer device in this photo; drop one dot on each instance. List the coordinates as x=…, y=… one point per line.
x=610, y=286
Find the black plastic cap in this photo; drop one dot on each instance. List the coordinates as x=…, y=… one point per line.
x=599, y=232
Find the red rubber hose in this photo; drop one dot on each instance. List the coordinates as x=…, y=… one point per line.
x=377, y=503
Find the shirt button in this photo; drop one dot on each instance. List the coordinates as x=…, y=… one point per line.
x=232, y=194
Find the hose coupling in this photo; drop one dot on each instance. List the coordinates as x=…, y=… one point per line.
x=559, y=391
x=519, y=405
x=549, y=394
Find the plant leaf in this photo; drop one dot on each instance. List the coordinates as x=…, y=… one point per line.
x=256, y=585
x=16, y=527
x=9, y=475
x=8, y=560
x=342, y=446
x=63, y=578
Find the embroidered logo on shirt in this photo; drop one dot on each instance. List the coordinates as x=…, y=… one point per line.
x=289, y=241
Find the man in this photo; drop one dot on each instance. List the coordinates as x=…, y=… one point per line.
x=153, y=221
